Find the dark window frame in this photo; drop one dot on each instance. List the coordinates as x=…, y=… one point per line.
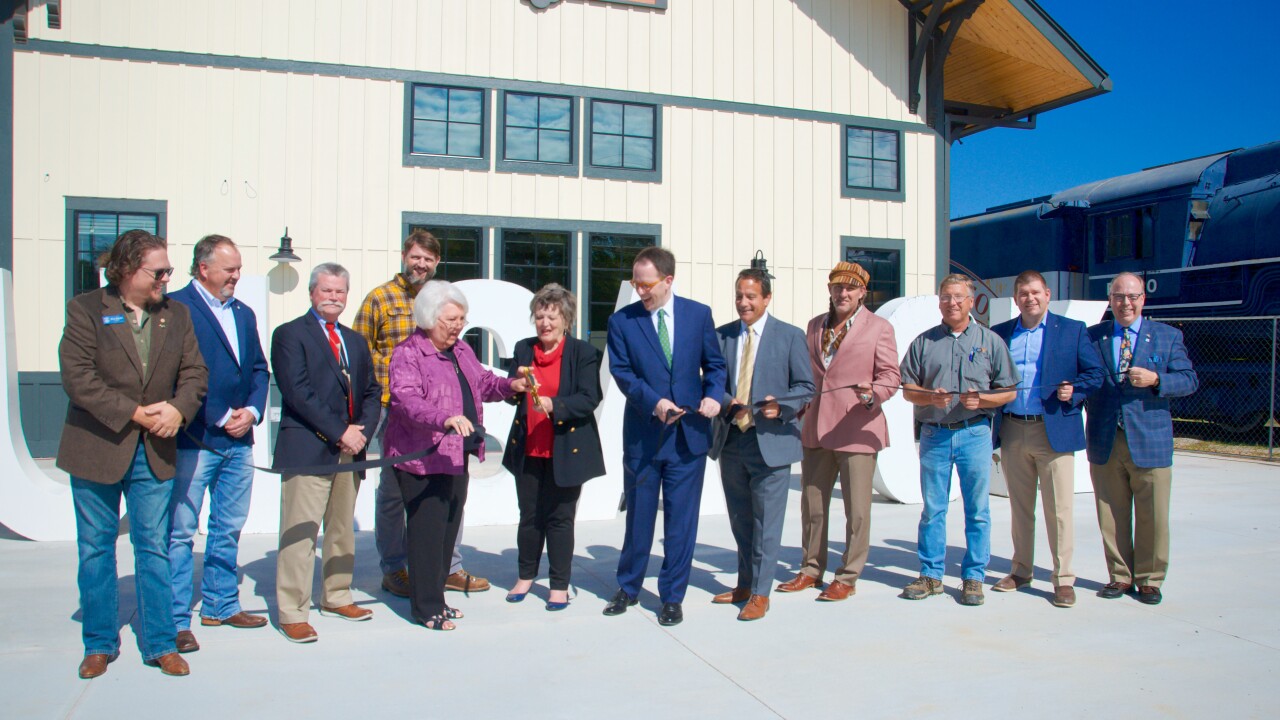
x=491, y=231
x=850, y=243
x=117, y=206
x=897, y=194
x=584, y=300
x=609, y=172
x=571, y=259
x=539, y=167
x=462, y=162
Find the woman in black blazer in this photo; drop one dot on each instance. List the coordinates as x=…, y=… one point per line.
x=554, y=446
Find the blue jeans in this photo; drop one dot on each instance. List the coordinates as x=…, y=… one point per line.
x=97, y=526
x=229, y=482
x=969, y=450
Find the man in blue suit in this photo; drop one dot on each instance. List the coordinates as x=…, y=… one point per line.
x=1130, y=439
x=227, y=332
x=1042, y=429
x=665, y=358
x=757, y=437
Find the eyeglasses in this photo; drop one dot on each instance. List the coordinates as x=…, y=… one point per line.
x=159, y=274
x=646, y=285
x=1118, y=299
x=952, y=298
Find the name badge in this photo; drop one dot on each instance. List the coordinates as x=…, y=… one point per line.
x=112, y=319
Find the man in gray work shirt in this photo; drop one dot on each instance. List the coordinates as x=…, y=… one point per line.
x=949, y=374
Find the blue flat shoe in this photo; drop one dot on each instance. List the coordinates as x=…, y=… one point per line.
x=556, y=606
x=516, y=597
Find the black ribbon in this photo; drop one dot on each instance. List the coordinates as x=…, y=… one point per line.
x=331, y=468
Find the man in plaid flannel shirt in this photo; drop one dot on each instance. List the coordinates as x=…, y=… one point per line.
x=385, y=319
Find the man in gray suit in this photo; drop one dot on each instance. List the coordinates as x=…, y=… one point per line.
x=757, y=438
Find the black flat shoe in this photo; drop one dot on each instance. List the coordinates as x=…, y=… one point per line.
x=619, y=603
x=1148, y=595
x=671, y=614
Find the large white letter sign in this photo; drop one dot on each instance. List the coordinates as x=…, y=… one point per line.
x=32, y=504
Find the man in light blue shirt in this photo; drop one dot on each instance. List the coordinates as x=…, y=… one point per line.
x=227, y=332
x=1041, y=430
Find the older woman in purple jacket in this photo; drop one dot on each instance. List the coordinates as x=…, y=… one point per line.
x=437, y=386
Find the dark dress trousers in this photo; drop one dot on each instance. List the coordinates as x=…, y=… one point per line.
x=548, y=488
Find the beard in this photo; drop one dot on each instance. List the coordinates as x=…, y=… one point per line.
x=419, y=280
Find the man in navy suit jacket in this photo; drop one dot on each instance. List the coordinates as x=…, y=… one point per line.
x=227, y=332
x=330, y=402
x=1130, y=439
x=1042, y=429
x=664, y=356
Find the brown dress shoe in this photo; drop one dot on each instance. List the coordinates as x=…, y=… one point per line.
x=1064, y=596
x=837, y=591
x=171, y=664
x=187, y=642
x=755, y=608
x=465, y=582
x=298, y=632
x=1011, y=582
x=241, y=619
x=736, y=595
x=351, y=612
x=800, y=582
x=95, y=665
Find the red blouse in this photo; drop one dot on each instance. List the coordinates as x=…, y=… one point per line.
x=546, y=369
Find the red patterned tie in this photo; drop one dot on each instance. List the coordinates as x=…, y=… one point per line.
x=335, y=344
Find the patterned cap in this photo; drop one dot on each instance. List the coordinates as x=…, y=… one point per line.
x=848, y=273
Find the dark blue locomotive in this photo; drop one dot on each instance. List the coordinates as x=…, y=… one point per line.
x=1204, y=234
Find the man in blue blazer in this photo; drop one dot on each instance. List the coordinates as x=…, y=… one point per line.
x=665, y=358
x=1130, y=439
x=227, y=332
x=757, y=444
x=330, y=401
x=1042, y=429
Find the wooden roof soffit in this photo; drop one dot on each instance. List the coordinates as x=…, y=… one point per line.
x=993, y=63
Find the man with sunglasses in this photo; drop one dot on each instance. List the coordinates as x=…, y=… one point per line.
x=134, y=376
x=665, y=358
x=222, y=464
x=1129, y=433
x=854, y=358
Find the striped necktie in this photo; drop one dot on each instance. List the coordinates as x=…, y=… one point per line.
x=745, y=371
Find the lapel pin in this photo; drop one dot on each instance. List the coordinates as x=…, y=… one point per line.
x=162, y=322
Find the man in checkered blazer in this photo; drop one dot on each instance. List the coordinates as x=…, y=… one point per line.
x=1129, y=435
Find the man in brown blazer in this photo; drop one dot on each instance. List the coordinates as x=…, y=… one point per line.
x=134, y=376
x=855, y=368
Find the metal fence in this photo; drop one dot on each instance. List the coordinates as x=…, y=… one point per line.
x=1235, y=410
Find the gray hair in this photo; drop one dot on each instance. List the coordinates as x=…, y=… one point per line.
x=333, y=269
x=554, y=295
x=958, y=279
x=1141, y=283
x=431, y=301
x=204, y=249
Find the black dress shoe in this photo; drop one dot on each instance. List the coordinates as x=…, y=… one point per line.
x=1113, y=590
x=1149, y=595
x=671, y=614
x=620, y=602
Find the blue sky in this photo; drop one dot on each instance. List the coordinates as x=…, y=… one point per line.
x=1190, y=78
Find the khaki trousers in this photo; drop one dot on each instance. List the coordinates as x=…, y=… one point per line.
x=1027, y=459
x=818, y=470
x=307, y=501
x=1133, y=516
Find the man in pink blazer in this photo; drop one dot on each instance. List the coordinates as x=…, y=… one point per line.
x=855, y=370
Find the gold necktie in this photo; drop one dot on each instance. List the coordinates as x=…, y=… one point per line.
x=743, y=396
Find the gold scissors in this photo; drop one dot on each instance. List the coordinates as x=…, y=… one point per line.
x=533, y=387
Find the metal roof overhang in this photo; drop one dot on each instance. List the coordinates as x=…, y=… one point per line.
x=995, y=63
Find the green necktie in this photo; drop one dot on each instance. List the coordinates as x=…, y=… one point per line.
x=663, y=339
